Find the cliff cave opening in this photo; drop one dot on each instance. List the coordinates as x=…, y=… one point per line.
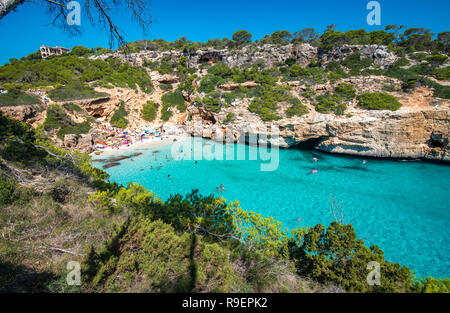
x=436, y=141
x=309, y=144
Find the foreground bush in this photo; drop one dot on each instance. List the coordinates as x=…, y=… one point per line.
x=148, y=256
x=335, y=254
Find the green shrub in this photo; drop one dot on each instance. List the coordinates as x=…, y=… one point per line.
x=336, y=68
x=355, y=63
x=330, y=103
x=72, y=107
x=433, y=285
x=266, y=104
x=419, y=56
x=209, y=83
x=165, y=87
x=436, y=59
x=69, y=68
x=336, y=255
x=220, y=69
x=118, y=119
x=55, y=117
x=176, y=99
x=440, y=91
x=402, y=62
x=212, y=101
x=442, y=73
x=149, y=111
x=378, y=101
x=297, y=108
x=346, y=91
x=309, y=75
x=229, y=118
x=7, y=187
x=166, y=112
x=81, y=51
x=76, y=128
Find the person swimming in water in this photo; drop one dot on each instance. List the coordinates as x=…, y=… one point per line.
x=314, y=171
x=151, y=167
x=364, y=161
x=222, y=187
x=142, y=169
x=218, y=189
x=315, y=159
x=170, y=177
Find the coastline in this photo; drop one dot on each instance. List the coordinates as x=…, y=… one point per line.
x=140, y=145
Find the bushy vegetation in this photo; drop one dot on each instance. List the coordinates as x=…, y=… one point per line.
x=74, y=91
x=70, y=68
x=58, y=120
x=346, y=91
x=229, y=118
x=327, y=103
x=335, y=254
x=72, y=107
x=119, y=117
x=378, y=101
x=174, y=99
x=149, y=111
x=355, y=63
x=166, y=112
x=297, y=109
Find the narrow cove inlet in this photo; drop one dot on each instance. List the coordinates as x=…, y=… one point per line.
x=403, y=207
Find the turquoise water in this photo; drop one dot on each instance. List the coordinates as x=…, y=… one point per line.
x=403, y=207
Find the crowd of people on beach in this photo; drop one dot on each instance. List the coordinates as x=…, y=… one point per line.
x=118, y=138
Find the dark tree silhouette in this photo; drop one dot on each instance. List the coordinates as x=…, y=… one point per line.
x=98, y=12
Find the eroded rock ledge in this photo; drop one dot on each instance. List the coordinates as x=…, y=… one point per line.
x=402, y=134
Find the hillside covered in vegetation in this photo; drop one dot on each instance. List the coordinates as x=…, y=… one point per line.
x=55, y=207
x=230, y=86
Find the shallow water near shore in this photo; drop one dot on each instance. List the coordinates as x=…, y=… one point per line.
x=403, y=207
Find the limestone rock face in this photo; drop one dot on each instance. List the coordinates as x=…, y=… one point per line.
x=24, y=113
x=70, y=140
x=234, y=86
x=404, y=133
x=86, y=141
x=167, y=79
x=268, y=55
x=379, y=54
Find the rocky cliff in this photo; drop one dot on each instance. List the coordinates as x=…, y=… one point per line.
x=419, y=129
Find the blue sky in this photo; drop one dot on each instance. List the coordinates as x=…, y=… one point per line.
x=23, y=31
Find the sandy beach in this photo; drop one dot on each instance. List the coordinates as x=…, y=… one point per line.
x=140, y=145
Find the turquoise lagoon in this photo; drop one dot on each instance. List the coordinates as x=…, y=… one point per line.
x=403, y=207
